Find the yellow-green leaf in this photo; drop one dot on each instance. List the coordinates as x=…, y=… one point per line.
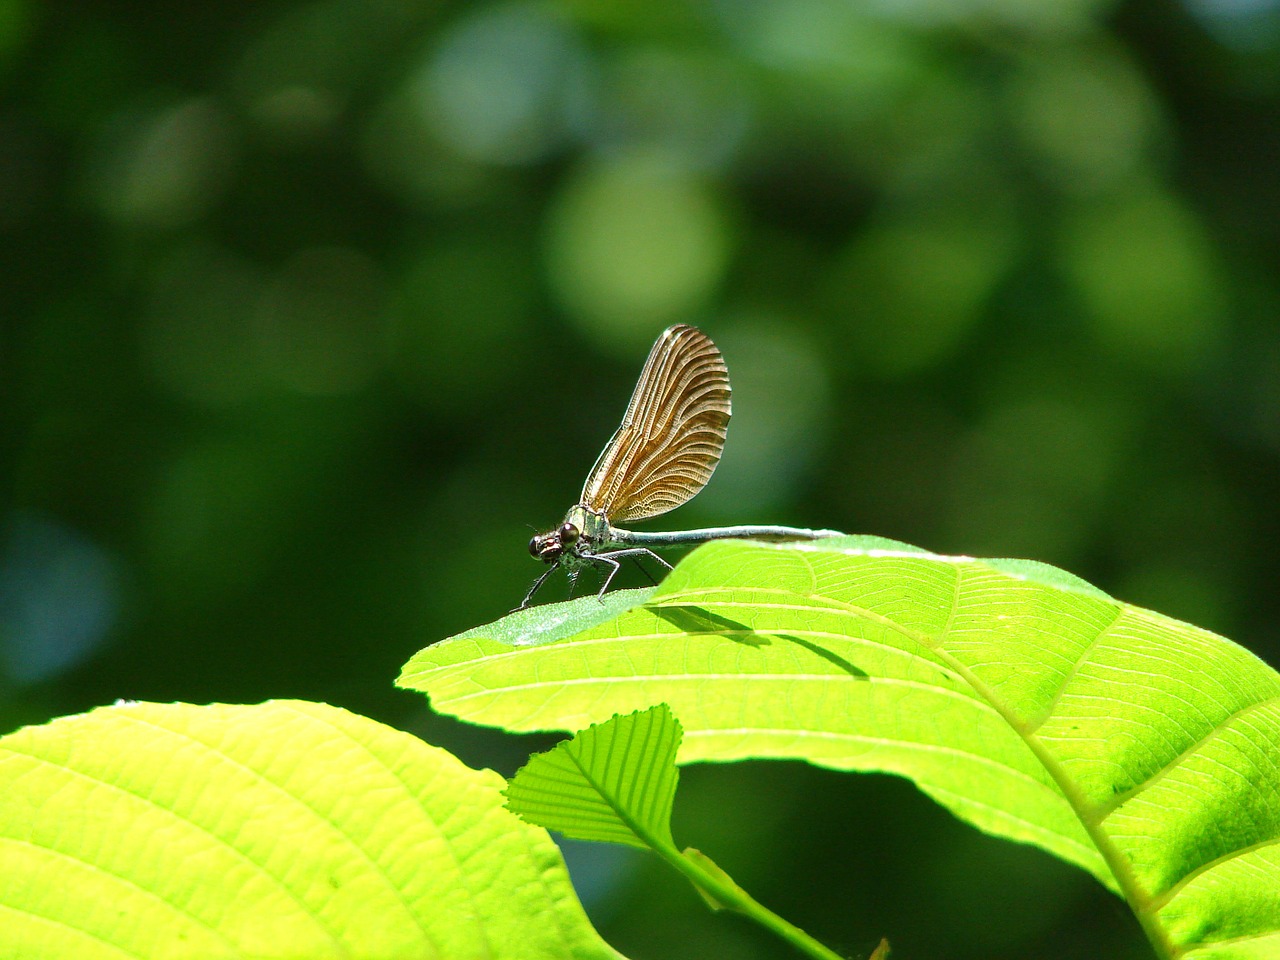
x=284, y=830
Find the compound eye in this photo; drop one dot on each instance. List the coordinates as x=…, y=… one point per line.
x=568, y=534
x=534, y=550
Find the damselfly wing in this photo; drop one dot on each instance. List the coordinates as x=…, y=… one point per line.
x=671, y=437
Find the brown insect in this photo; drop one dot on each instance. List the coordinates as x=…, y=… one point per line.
x=664, y=452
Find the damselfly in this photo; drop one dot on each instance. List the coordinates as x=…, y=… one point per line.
x=663, y=453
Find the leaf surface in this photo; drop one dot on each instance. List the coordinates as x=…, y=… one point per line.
x=614, y=782
x=284, y=830
x=1031, y=704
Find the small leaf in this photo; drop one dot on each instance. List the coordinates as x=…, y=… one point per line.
x=283, y=830
x=613, y=782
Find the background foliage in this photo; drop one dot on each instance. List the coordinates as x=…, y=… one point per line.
x=309, y=310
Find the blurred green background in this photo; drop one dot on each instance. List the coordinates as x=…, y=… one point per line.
x=311, y=312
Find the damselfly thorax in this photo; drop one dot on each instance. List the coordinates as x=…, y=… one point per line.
x=664, y=452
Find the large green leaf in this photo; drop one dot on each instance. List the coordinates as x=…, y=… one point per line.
x=284, y=830
x=1031, y=704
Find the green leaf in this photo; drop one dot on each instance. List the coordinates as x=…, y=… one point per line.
x=1026, y=701
x=613, y=782
x=549, y=622
x=283, y=830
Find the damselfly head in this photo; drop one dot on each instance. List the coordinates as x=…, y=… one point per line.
x=548, y=547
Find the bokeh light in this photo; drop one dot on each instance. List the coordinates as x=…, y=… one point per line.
x=1146, y=276
x=162, y=168
x=635, y=242
x=501, y=84
x=59, y=598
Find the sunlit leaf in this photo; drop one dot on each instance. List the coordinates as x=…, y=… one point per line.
x=283, y=830
x=1032, y=705
x=613, y=782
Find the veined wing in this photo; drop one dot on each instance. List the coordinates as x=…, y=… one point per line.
x=670, y=440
